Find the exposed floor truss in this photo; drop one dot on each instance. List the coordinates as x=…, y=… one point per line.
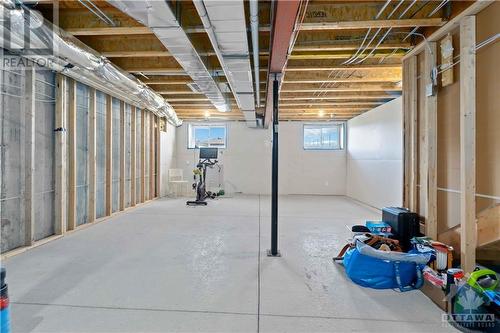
x=345, y=52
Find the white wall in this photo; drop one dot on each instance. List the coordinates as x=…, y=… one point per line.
x=374, y=156
x=247, y=161
x=167, y=156
x=308, y=171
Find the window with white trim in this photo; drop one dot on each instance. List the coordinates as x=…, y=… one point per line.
x=324, y=136
x=207, y=135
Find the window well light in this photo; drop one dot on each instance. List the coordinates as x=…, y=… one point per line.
x=207, y=114
x=321, y=113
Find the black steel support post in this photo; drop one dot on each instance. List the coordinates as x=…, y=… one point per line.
x=274, y=191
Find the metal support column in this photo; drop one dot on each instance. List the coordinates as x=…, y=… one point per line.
x=273, y=252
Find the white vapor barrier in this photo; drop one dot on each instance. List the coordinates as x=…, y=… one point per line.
x=12, y=171
x=138, y=167
x=146, y=154
x=100, y=198
x=44, y=154
x=127, y=155
x=115, y=155
x=14, y=114
x=82, y=116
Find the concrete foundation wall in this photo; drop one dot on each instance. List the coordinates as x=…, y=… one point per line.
x=128, y=150
x=138, y=167
x=12, y=153
x=16, y=142
x=100, y=154
x=14, y=111
x=115, y=189
x=44, y=152
x=82, y=116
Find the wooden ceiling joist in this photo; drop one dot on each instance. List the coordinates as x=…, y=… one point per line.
x=338, y=97
x=135, y=54
x=349, y=80
x=352, y=25
x=349, y=89
x=109, y=31
x=379, y=67
x=348, y=47
x=337, y=103
x=398, y=54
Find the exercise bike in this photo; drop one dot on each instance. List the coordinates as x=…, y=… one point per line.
x=208, y=158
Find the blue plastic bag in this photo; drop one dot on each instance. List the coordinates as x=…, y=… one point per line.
x=372, y=268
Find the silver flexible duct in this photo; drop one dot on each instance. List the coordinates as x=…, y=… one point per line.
x=74, y=59
x=162, y=20
x=254, y=24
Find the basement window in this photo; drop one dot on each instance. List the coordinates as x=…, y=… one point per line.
x=206, y=135
x=324, y=136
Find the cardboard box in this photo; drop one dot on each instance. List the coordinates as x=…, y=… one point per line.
x=436, y=294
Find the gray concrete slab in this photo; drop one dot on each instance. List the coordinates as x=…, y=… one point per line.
x=168, y=267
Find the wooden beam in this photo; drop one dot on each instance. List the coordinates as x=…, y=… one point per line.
x=355, y=80
x=348, y=25
x=136, y=30
x=406, y=135
x=29, y=160
x=122, y=155
x=338, y=97
x=146, y=70
x=109, y=31
x=353, y=89
x=186, y=99
x=72, y=156
x=468, y=234
x=152, y=162
x=135, y=54
x=487, y=230
x=143, y=155
x=155, y=53
x=179, y=92
x=109, y=155
x=92, y=160
x=379, y=67
x=349, y=47
x=167, y=81
x=331, y=104
x=60, y=197
x=154, y=70
x=284, y=109
x=306, y=56
x=413, y=113
x=430, y=151
x=133, y=154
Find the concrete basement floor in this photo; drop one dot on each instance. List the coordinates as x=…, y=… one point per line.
x=168, y=267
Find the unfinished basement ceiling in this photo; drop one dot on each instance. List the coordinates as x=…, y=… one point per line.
x=328, y=75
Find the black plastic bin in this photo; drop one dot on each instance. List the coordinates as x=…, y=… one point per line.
x=404, y=224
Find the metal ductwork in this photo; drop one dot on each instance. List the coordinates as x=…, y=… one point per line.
x=161, y=19
x=254, y=24
x=74, y=59
x=225, y=24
